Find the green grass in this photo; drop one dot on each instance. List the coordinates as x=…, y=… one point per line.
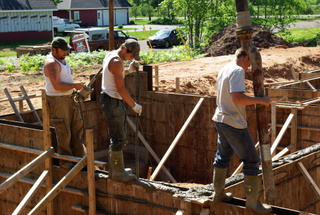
x=141, y=35
x=7, y=53
x=309, y=37
x=140, y=21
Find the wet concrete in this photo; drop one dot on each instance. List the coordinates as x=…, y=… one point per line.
x=205, y=192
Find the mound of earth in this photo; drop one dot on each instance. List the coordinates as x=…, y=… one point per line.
x=226, y=41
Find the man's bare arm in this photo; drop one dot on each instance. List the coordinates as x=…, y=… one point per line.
x=241, y=99
x=52, y=71
x=115, y=67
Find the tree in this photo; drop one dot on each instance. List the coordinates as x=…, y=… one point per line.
x=56, y=2
x=276, y=13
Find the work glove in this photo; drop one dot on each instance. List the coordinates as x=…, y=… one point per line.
x=137, y=108
x=133, y=67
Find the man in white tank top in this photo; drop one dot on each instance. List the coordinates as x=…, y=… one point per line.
x=64, y=114
x=113, y=96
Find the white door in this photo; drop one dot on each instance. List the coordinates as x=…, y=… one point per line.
x=106, y=17
x=99, y=17
x=121, y=17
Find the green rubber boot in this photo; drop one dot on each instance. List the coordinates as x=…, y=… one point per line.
x=252, y=192
x=116, y=167
x=219, y=179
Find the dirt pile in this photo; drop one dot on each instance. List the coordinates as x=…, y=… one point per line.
x=226, y=41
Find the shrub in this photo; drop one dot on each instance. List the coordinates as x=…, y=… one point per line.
x=120, y=26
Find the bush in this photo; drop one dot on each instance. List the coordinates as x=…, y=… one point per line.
x=165, y=21
x=132, y=22
x=120, y=26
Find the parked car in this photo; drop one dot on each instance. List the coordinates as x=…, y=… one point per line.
x=62, y=25
x=166, y=38
x=98, y=38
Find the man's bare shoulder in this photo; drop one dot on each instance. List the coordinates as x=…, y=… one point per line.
x=116, y=60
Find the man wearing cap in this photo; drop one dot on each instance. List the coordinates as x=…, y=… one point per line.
x=113, y=96
x=64, y=113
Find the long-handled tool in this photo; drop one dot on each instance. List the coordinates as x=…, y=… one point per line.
x=137, y=125
x=83, y=94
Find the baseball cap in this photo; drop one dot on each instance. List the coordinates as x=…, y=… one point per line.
x=60, y=42
x=133, y=47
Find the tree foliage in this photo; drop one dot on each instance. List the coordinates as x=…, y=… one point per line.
x=205, y=17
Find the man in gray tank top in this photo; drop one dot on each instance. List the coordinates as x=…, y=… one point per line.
x=64, y=114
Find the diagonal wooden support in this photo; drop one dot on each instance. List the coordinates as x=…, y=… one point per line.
x=283, y=152
x=309, y=179
x=281, y=133
x=311, y=86
x=59, y=186
x=30, y=194
x=150, y=150
x=175, y=141
x=26, y=169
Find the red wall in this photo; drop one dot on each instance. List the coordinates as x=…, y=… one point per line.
x=25, y=36
x=88, y=17
x=61, y=14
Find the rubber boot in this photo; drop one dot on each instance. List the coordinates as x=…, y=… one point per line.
x=116, y=167
x=252, y=192
x=219, y=178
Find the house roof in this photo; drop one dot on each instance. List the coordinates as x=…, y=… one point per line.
x=27, y=5
x=91, y=4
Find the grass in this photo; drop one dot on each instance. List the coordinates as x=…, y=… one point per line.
x=142, y=35
x=309, y=37
x=140, y=21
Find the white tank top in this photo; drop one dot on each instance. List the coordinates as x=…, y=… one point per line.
x=108, y=84
x=65, y=75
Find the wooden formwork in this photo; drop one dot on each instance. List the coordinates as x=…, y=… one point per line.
x=293, y=189
x=163, y=116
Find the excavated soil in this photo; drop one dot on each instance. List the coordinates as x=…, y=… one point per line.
x=280, y=61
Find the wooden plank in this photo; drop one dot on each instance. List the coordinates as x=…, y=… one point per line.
x=25, y=170
x=68, y=190
x=85, y=209
x=59, y=186
x=294, y=128
x=311, y=182
x=20, y=98
x=55, y=155
x=281, y=133
x=150, y=150
x=273, y=121
x=30, y=194
x=186, y=206
x=282, y=152
x=47, y=143
x=175, y=141
x=205, y=211
x=15, y=109
x=24, y=92
x=91, y=175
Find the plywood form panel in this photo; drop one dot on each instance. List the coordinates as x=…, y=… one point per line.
x=293, y=191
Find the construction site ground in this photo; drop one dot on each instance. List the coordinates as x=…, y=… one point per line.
x=196, y=77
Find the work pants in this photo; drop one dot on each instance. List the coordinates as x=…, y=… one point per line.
x=116, y=117
x=65, y=116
